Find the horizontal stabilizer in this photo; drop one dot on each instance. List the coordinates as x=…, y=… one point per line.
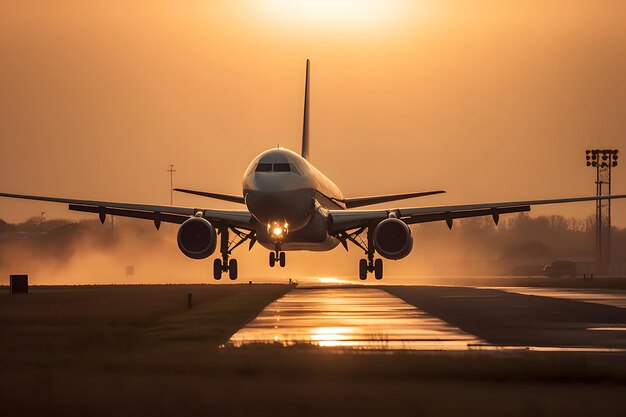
x=366, y=201
x=225, y=197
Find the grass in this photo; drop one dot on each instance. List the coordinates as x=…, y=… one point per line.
x=138, y=350
x=189, y=379
x=218, y=318
x=86, y=318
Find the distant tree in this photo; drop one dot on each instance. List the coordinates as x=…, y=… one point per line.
x=526, y=249
x=558, y=224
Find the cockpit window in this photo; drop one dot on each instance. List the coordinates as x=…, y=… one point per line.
x=277, y=167
x=282, y=167
x=263, y=167
x=295, y=169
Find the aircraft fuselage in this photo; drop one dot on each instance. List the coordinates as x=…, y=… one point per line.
x=289, y=200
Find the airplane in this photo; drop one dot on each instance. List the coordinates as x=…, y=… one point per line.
x=290, y=205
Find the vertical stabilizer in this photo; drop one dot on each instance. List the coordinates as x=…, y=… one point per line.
x=305, y=122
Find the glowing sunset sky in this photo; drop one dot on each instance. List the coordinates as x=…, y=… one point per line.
x=488, y=100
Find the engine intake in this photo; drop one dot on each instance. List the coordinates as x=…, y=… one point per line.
x=197, y=238
x=392, y=239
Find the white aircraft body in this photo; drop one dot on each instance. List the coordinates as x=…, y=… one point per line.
x=291, y=205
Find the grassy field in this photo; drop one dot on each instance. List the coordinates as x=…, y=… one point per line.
x=138, y=350
x=123, y=318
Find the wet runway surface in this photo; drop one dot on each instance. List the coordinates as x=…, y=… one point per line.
x=616, y=298
x=505, y=318
x=444, y=318
x=364, y=318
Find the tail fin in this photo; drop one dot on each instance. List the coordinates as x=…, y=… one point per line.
x=305, y=123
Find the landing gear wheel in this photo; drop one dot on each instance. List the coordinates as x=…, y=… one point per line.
x=363, y=269
x=272, y=259
x=232, y=269
x=281, y=259
x=217, y=269
x=378, y=269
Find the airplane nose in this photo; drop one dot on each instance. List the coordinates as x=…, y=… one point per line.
x=273, y=182
x=294, y=207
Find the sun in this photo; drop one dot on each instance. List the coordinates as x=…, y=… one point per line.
x=333, y=13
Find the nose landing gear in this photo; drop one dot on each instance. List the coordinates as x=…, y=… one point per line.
x=277, y=256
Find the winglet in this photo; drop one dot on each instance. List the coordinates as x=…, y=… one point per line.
x=305, y=121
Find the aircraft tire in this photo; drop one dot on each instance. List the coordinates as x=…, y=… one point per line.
x=272, y=259
x=282, y=259
x=217, y=269
x=363, y=269
x=232, y=269
x=378, y=269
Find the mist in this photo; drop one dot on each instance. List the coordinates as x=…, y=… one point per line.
x=127, y=251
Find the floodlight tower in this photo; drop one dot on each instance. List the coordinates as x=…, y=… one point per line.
x=603, y=160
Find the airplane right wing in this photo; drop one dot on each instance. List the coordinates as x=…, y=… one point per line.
x=343, y=220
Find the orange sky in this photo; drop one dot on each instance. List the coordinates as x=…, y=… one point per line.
x=488, y=100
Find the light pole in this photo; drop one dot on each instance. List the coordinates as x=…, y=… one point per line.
x=603, y=160
x=171, y=170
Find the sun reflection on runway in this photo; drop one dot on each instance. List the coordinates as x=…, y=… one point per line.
x=364, y=318
x=332, y=280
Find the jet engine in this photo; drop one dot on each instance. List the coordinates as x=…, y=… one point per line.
x=392, y=239
x=197, y=238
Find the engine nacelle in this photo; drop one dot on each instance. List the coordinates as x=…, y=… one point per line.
x=197, y=238
x=392, y=239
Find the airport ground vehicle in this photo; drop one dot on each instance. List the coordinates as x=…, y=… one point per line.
x=557, y=269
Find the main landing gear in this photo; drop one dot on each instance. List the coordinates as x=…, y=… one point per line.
x=365, y=265
x=225, y=265
x=226, y=247
x=277, y=256
x=371, y=265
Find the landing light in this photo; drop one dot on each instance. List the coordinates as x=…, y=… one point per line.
x=277, y=229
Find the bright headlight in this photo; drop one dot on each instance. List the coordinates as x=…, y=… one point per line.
x=277, y=229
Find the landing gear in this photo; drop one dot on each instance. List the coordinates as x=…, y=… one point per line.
x=375, y=266
x=232, y=269
x=217, y=269
x=220, y=266
x=226, y=247
x=378, y=269
x=365, y=265
x=277, y=256
x=363, y=269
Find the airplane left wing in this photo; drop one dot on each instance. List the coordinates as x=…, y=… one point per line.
x=156, y=213
x=343, y=220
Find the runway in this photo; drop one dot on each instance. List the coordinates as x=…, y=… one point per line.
x=361, y=317
x=444, y=318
